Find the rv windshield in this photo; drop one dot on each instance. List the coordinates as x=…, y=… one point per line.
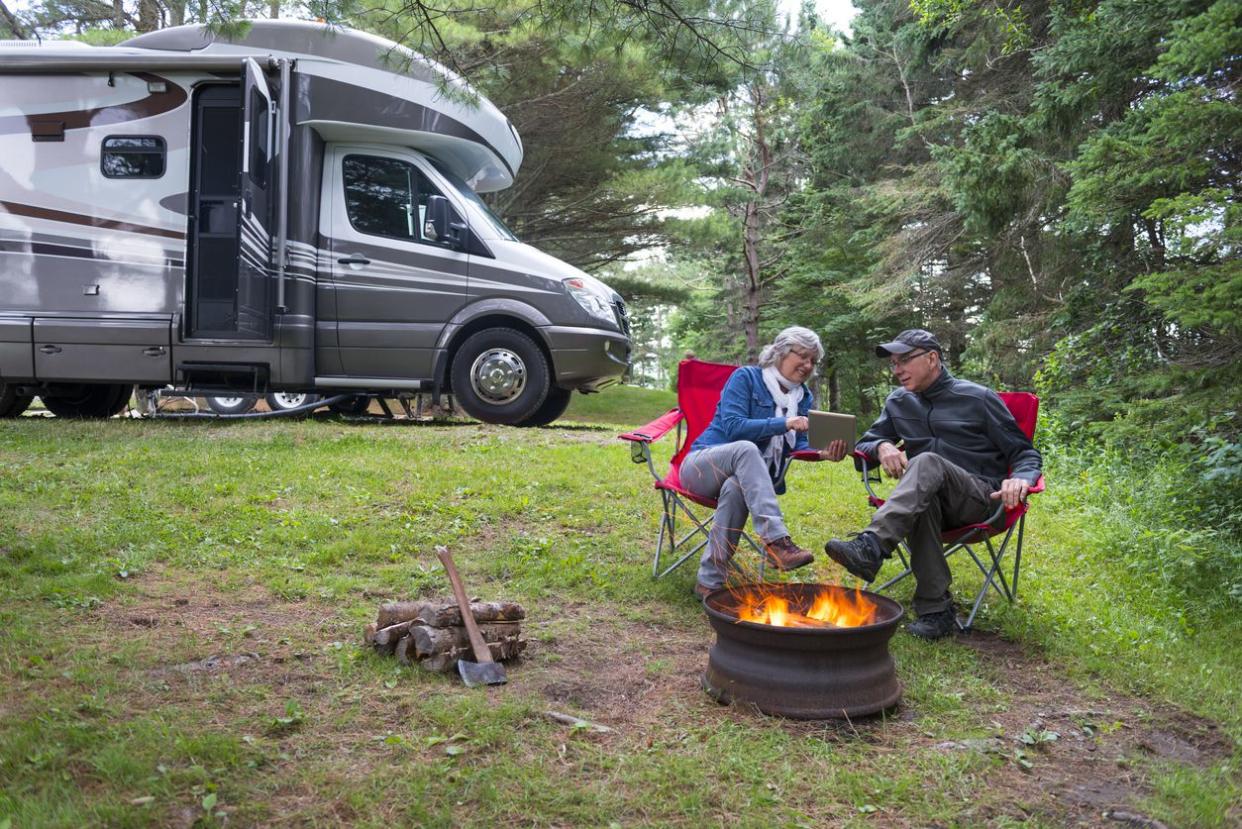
x=473, y=197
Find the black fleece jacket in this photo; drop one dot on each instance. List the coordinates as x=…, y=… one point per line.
x=963, y=422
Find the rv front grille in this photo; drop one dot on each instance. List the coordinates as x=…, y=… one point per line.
x=623, y=317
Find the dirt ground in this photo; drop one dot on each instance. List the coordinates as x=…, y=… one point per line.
x=630, y=675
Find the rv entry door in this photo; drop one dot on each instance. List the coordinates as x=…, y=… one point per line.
x=254, y=237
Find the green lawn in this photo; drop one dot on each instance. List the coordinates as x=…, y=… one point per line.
x=132, y=550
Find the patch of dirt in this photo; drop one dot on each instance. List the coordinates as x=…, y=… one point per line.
x=635, y=677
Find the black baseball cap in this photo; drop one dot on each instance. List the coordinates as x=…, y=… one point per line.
x=907, y=341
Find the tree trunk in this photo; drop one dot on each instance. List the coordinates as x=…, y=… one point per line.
x=148, y=16
x=10, y=20
x=273, y=9
x=834, y=390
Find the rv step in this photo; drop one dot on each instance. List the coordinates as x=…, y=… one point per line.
x=227, y=376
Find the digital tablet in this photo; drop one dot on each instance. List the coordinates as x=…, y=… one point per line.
x=829, y=426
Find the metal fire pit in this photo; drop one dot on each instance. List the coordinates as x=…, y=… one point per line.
x=805, y=673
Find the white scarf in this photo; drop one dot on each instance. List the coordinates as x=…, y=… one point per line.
x=786, y=407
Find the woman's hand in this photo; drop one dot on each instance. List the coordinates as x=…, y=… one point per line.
x=834, y=452
x=798, y=424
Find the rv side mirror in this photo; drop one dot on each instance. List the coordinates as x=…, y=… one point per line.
x=440, y=227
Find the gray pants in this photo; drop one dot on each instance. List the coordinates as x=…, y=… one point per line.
x=736, y=475
x=932, y=494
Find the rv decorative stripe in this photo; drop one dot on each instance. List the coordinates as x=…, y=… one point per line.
x=34, y=212
x=156, y=103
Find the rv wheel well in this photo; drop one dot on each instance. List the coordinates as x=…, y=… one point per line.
x=481, y=324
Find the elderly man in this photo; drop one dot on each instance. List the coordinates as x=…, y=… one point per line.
x=957, y=451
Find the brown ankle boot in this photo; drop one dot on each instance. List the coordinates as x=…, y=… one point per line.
x=783, y=554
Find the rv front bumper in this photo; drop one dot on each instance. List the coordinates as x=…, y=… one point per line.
x=587, y=359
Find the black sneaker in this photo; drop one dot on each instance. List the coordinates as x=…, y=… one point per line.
x=935, y=625
x=861, y=555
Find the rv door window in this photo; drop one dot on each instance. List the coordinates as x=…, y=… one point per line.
x=388, y=197
x=132, y=156
x=258, y=138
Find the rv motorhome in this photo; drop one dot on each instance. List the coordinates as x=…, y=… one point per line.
x=292, y=210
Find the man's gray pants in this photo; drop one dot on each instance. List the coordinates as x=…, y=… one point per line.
x=736, y=476
x=932, y=494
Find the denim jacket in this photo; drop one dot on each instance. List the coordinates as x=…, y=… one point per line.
x=746, y=411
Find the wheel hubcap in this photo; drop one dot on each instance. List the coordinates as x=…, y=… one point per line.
x=289, y=401
x=498, y=376
x=228, y=402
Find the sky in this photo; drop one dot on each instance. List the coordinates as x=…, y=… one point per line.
x=836, y=12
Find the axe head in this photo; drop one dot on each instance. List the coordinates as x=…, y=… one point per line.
x=475, y=674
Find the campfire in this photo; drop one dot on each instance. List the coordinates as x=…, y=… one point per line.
x=808, y=651
x=828, y=605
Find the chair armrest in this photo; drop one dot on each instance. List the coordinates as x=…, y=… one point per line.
x=805, y=455
x=656, y=429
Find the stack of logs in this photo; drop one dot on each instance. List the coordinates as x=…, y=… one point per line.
x=431, y=633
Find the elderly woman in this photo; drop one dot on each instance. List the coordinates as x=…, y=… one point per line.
x=739, y=459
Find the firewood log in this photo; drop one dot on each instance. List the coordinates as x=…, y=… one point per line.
x=429, y=641
x=446, y=662
x=390, y=635
x=405, y=650
x=390, y=613
x=449, y=615
x=368, y=633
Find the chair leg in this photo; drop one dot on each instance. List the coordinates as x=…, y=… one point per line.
x=659, y=550
x=674, y=503
x=1017, y=554
x=905, y=564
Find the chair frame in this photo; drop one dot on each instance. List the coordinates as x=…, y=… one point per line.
x=968, y=537
x=670, y=546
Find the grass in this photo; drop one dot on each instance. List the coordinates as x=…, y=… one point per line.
x=131, y=549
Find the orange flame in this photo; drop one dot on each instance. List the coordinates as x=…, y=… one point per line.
x=829, y=608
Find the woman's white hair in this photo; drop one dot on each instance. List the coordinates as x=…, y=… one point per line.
x=792, y=337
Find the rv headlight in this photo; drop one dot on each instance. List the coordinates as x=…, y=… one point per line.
x=592, y=303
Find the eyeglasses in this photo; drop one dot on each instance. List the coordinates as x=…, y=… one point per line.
x=806, y=358
x=898, y=362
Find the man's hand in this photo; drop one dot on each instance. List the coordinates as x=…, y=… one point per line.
x=834, y=452
x=892, y=460
x=798, y=424
x=1012, y=492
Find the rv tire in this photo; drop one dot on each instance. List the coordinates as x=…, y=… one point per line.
x=500, y=375
x=231, y=405
x=552, y=408
x=12, y=404
x=282, y=401
x=89, y=401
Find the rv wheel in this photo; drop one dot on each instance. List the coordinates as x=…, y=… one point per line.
x=284, y=401
x=88, y=401
x=552, y=408
x=231, y=405
x=500, y=376
x=12, y=404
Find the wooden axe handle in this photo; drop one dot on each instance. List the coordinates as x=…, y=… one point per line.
x=482, y=653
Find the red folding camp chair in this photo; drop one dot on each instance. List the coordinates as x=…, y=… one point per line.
x=699, y=385
x=1025, y=409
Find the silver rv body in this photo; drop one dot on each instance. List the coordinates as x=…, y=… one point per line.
x=295, y=210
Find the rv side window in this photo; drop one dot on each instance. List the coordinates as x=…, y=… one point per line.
x=132, y=156
x=258, y=138
x=388, y=197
